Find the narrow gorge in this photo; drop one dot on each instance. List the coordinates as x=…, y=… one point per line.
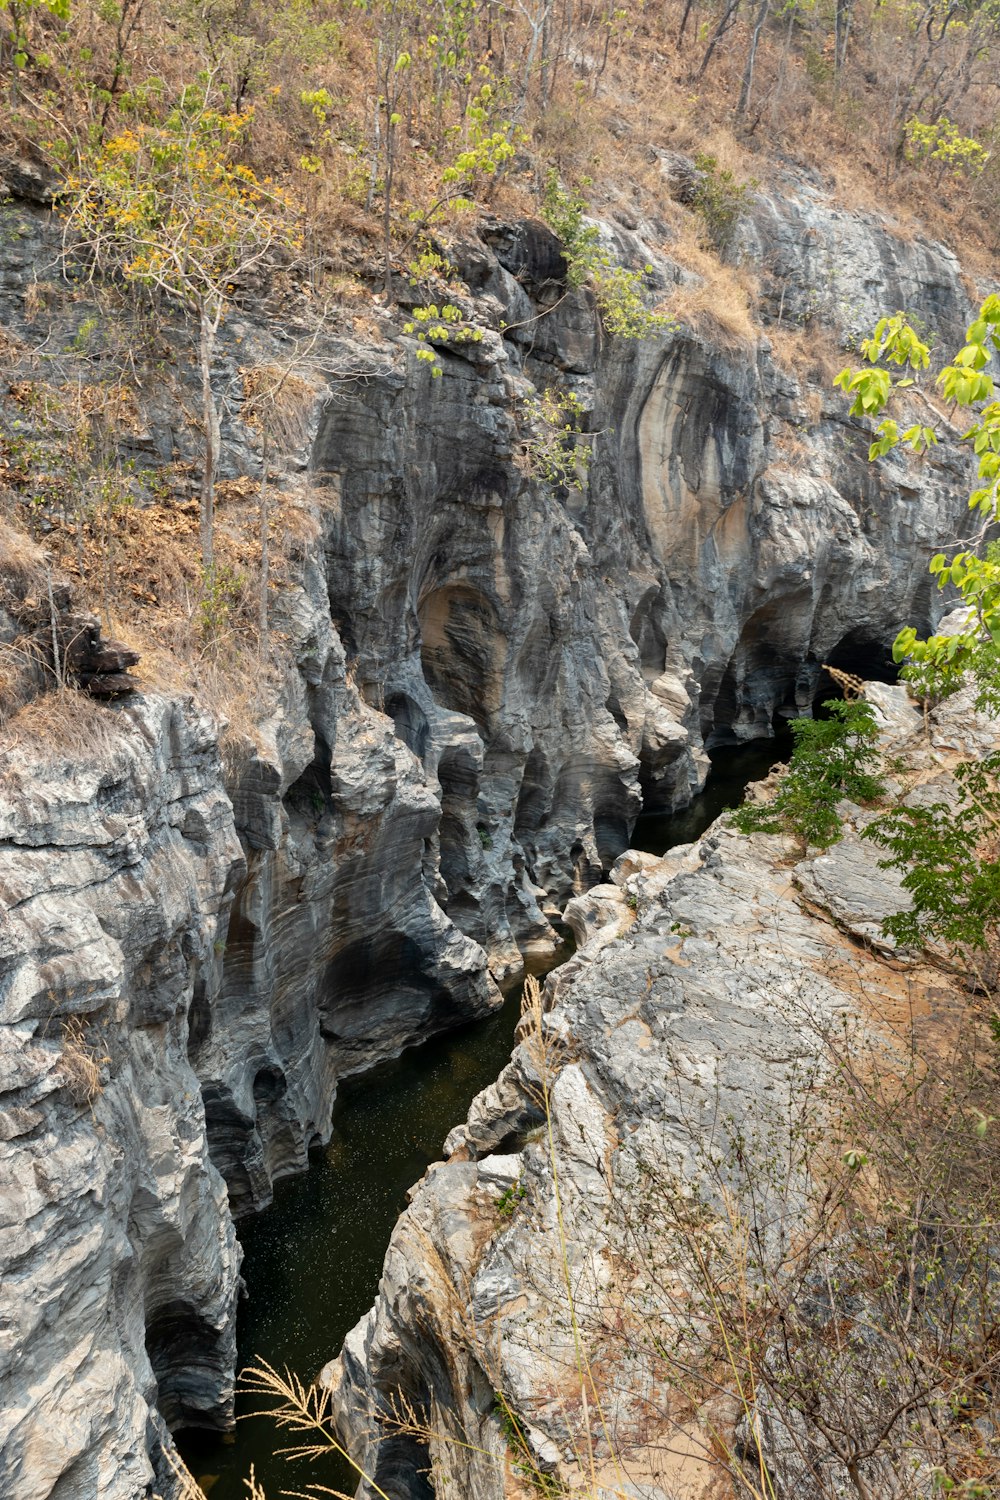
x=485, y=680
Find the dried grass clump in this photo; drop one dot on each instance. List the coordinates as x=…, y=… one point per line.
x=228, y=678
x=64, y=724
x=305, y=1411
x=721, y=303
x=81, y=1062
x=22, y=676
x=277, y=402
x=22, y=562
x=810, y=353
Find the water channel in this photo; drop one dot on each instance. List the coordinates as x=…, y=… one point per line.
x=312, y=1260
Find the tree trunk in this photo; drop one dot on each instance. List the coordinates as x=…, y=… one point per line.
x=265, y=550
x=376, y=152
x=390, y=143
x=842, y=32
x=726, y=21
x=210, y=421
x=543, y=72
x=536, y=24
x=56, y=664
x=762, y=11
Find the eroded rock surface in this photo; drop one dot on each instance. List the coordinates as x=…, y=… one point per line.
x=120, y=1262
x=699, y=1012
x=488, y=677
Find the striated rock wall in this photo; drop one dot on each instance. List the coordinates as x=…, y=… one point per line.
x=184, y=976
x=488, y=678
x=713, y=991
x=118, y=866
x=337, y=951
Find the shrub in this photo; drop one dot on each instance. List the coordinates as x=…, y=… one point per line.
x=81, y=1062
x=720, y=200
x=833, y=758
x=618, y=292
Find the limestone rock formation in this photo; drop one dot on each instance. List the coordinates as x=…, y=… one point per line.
x=487, y=678
x=698, y=1012
x=120, y=1263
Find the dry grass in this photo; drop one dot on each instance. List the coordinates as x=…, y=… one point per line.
x=22, y=562
x=186, y=1487
x=22, y=676
x=810, y=353
x=64, y=723
x=135, y=561
x=81, y=1061
x=720, y=304
x=278, y=399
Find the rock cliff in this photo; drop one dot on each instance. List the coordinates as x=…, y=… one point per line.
x=701, y=1018
x=486, y=679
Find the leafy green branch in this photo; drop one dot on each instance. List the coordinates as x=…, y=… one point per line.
x=949, y=856
x=445, y=325
x=620, y=293
x=556, y=450
x=835, y=757
x=969, y=385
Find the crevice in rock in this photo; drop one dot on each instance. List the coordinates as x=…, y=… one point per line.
x=458, y=773
x=234, y=1146
x=199, y=1019
x=312, y=793
x=183, y=1350
x=462, y=651
x=404, y=1468
x=378, y=988
x=282, y=1138
x=614, y=708
x=532, y=798
x=761, y=676
x=409, y=722
x=647, y=627
x=863, y=654
x=611, y=830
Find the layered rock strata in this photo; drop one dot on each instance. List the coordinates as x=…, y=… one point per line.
x=120, y=1262
x=485, y=678
x=712, y=990
x=185, y=976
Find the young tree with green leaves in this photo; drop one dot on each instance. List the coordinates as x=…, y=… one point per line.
x=950, y=855
x=618, y=291
x=968, y=383
x=169, y=208
x=834, y=757
x=18, y=15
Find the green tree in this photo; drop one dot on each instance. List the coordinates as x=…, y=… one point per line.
x=618, y=291
x=966, y=381
x=834, y=757
x=169, y=208
x=948, y=854
x=18, y=14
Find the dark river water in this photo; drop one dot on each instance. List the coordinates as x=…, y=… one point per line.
x=312, y=1260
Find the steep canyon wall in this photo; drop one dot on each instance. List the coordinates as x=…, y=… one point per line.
x=485, y=680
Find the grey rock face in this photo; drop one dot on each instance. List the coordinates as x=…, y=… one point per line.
x=730, y=539
x=700, y=1018
x=120, y=1264
x=489, y=677
x=337, y=952
x=175, y=1017
x=820, y=263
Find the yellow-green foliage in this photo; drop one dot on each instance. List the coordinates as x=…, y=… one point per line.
x=944, y=143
